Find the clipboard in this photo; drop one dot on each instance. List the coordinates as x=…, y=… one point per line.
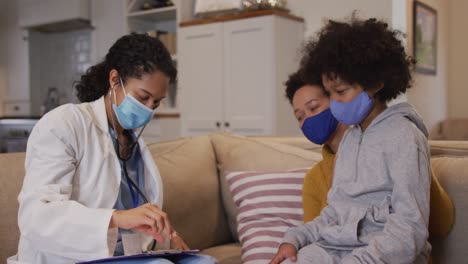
x=147, y=255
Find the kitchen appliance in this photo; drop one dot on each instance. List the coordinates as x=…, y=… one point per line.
x=14, y=133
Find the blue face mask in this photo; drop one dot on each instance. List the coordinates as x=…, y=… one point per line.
x=354, y=112
x=131, y=113
x=319, y=128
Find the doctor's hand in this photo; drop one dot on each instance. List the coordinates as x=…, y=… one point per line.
x=178, y=243
x=147, y=218
x=285, y=251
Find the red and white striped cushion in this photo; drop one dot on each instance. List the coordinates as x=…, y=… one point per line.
x=269, y=203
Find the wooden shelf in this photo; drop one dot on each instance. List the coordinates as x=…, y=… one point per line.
x=166, y=115
x=242, y=15
x=156, y=14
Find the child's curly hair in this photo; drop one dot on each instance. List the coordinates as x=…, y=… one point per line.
x=366, y=52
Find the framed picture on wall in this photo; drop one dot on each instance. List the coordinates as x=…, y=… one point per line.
x=425, y=38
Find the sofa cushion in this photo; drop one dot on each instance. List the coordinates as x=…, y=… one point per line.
x=450, y=129
x=269, y=203
x=191, y=190
x=237, y=153
x=452, y=173
x=225, y=254
x=299, y=142
x=448, y=148
x=11, y=180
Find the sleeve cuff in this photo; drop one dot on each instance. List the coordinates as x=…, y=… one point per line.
x=291, y=239
x=112, y=235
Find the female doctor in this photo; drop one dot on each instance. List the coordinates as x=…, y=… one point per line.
x=90, y=179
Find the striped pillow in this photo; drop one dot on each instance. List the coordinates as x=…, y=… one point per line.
x=269, y=203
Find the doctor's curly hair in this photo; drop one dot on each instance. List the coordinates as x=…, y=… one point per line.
x=132, y=56
x=365, y=52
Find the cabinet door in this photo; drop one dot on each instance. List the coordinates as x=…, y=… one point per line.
x=200, y=78
x=249, y=76
x=17, y=109
x=18, y=89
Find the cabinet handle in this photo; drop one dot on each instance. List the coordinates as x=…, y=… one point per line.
x=16, y=108
x=218, y=124
x=201, y=36
x=247, y=30
x=226, y=124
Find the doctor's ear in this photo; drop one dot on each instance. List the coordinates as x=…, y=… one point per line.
x=114, y=78
x=114, y=84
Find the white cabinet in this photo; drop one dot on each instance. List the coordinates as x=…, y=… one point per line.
x=232, y=74
x=201, y=78
x=34, y=13
x=17, y=109
x=249, y=79
x=17, y=91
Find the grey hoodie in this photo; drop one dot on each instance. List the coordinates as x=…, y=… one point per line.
x=378, y=205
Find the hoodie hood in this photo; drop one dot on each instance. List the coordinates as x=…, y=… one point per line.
x=405, y=110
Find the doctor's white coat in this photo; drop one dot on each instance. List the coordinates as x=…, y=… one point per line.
x=71, y=185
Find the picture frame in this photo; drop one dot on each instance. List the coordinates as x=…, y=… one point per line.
x=425, y=38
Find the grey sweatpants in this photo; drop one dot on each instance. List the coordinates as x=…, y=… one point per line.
x=313, y=253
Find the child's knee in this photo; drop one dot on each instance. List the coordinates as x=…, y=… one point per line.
x=198, y=259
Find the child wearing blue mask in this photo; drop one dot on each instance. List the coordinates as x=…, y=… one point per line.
x=378, y=205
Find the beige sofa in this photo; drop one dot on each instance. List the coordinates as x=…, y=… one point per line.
x=450, y=129
x=198, y=201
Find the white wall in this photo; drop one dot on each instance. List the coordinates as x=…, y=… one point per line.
x=458, y=59
x=316, y=11
x=430, y=92
x=3, y=54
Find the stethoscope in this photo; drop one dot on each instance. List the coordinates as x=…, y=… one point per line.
x=124, y=160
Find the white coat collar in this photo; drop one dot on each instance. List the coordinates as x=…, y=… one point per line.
x=99, y=115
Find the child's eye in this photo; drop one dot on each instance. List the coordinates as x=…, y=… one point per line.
x=341, y=92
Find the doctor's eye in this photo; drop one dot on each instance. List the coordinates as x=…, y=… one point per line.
x=156, y=104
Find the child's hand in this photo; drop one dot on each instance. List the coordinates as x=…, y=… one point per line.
x=285, y=251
